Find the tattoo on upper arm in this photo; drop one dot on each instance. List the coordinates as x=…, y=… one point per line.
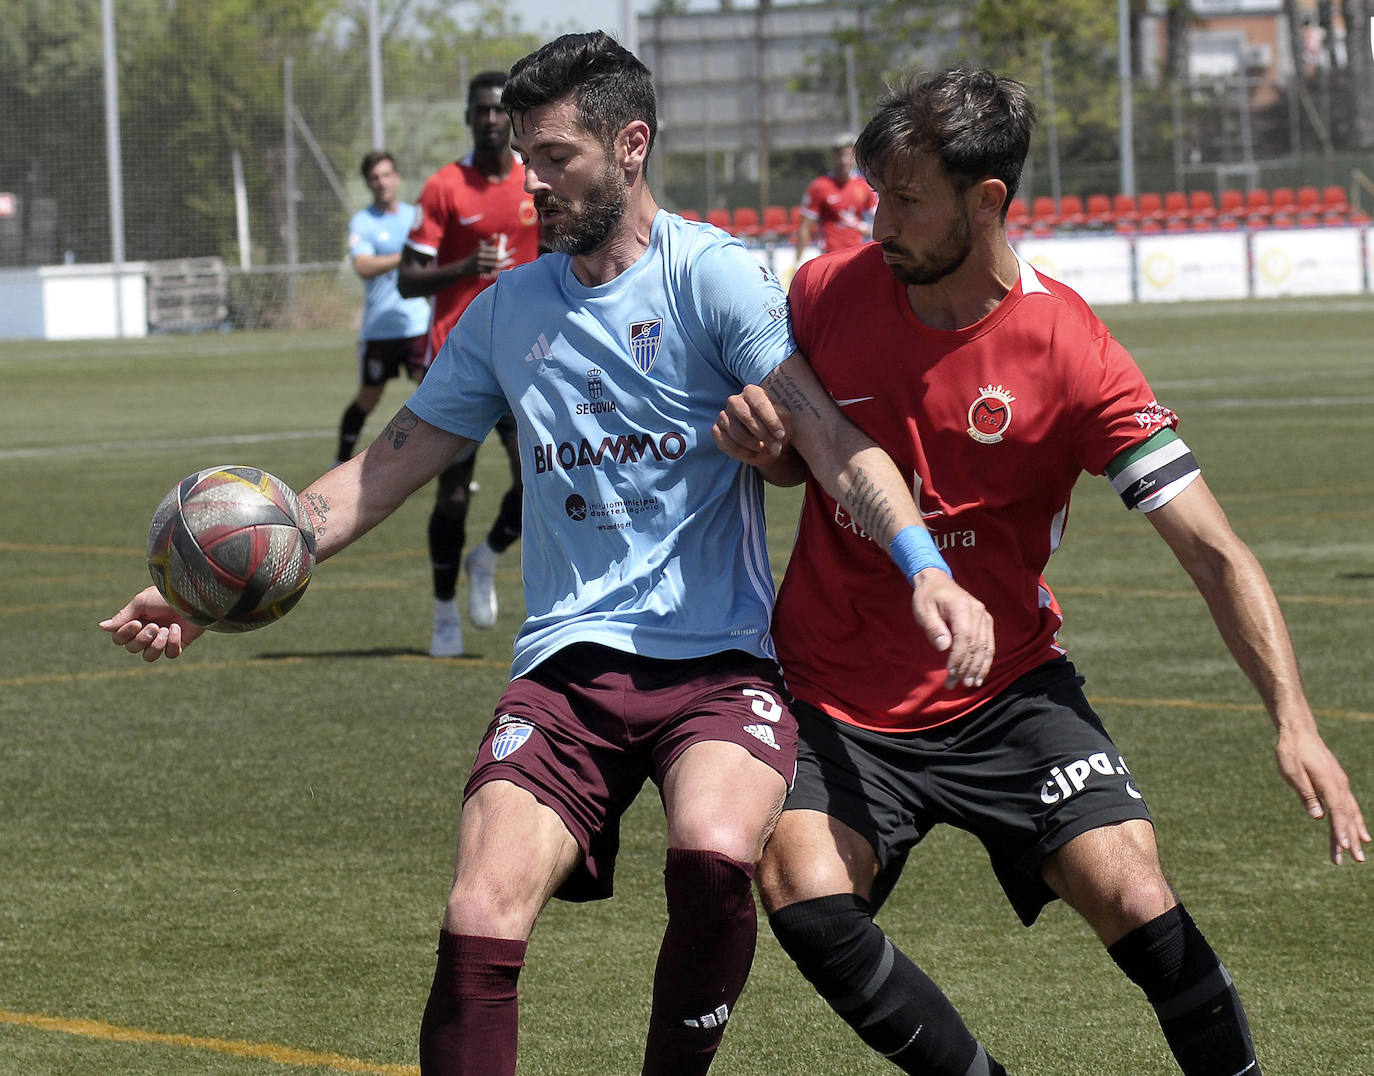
x=780, y=385
x=399, y=429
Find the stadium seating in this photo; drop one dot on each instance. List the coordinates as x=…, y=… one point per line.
x=745, y=221
x=1257, y=204
x=1201, y=206
x=1043, y=213
x=1176, y=206
x=1151, y=206
x=689, y=214
x=720, y=218
x=1018, y=214
x=1099, y=210
x=776, y=223
x=1333, y=202
x=1071, y=212
x=1124, y=208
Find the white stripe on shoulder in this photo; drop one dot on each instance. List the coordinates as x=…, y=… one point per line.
x=1030, y=279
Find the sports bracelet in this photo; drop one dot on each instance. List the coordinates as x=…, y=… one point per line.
x=914, y=550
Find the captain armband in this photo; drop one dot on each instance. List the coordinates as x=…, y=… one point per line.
x=1153, y=473
x=913, y=550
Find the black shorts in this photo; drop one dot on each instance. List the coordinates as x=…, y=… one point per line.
x=585, y=728
x=381, y=360
x=1024, y=773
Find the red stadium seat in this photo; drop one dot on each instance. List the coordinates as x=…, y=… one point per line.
x=1309, y=200
x=1124, y=227
x=720, y=218
x=746, y=221
x=1283, y=200
x=776, y=223
x=1099, y=210
x=1018, y=214
x=1151, y=206
x=689, y=214
x=1257, y=203
x=794, y=218
x=1043, y=211
x=1228, y=224
x=1124, y=207
x=1071, y=212
x=1334, y=204
x=1201, y=206
x=1175, y=205
x=1177, y=224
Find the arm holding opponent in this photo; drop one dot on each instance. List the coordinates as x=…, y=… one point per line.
x=789, y=424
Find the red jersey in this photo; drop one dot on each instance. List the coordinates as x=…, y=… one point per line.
x=994, y=423
x=459, y=209
x=840, y=209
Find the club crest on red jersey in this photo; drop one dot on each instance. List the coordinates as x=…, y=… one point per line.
x=645, y=336
x=989, y=416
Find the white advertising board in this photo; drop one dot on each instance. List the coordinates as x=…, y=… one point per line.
x=1170, y=268
x=1306, y=261
x=1097, y=267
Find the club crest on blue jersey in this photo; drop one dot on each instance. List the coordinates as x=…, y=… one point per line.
x=645, y=336
x=509, y=738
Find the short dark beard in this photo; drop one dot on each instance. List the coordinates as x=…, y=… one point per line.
x=585, y=227
x=952, y=252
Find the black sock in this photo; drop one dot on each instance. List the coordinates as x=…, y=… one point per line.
x=1193, y=996
x=506, y=528
x=446, y=537
x=890, y=1002
x=349, y=428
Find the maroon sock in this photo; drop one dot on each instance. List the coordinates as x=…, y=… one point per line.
x=472, y=1020
x=705, y=958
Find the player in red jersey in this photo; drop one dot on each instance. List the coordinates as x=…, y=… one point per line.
x=839, y=204
x=473, y=220
x=994, y=387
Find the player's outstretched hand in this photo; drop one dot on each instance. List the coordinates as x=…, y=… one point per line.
x=150, y=627
x=955, y=622
x=751, y=428
x=1308, y=765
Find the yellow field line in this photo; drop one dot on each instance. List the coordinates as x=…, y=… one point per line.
x=281, y=1055
x=140, y=669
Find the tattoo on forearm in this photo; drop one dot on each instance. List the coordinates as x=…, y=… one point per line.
x=869, y=506
x=317, y=508
x=788, y=393
x=399, y=429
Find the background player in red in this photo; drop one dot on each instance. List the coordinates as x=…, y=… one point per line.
x=474, y=219
x=838, y=204
x=995, y=387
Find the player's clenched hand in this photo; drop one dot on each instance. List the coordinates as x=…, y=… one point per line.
x=1308, y=765
x=957, y=622
x=150, y=627
x=752, y=428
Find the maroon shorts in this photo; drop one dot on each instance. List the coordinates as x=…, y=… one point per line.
x=381, y=360
x=583, y=730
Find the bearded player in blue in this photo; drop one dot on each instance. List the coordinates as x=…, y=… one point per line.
x=646, y=654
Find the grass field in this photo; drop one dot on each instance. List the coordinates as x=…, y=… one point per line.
x=236, y=863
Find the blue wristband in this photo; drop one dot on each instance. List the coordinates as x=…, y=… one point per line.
x=914, y=550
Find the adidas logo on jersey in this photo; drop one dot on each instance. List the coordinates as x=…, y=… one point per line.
x=541, y=350
x=712, y=1019
x=763, y=733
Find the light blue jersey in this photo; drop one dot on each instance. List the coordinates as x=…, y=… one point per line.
x=386, y=315
x=640, y=534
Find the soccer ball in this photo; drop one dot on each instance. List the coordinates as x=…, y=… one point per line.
x=230, y=549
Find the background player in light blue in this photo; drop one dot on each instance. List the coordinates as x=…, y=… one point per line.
x=647, y=653
x=393, y=329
